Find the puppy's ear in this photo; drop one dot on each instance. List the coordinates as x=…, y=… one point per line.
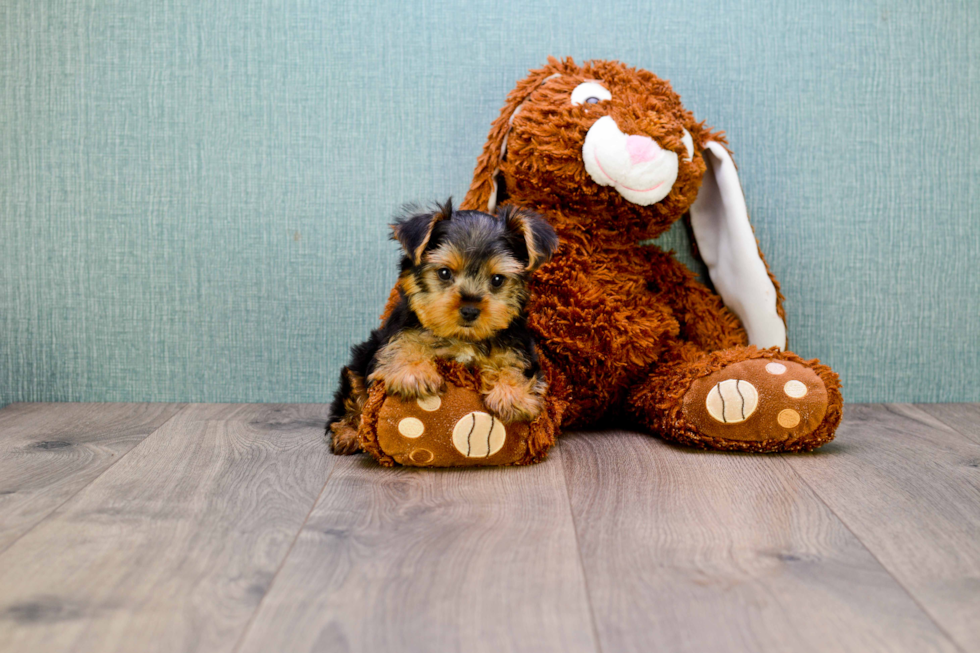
x=531, y=231
x=414, y=229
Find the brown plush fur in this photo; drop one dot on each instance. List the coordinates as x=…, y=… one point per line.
x=623, y=329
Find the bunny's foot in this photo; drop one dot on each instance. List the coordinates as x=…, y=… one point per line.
x=743, y=399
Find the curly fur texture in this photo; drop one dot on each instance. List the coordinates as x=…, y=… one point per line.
x=626, y=328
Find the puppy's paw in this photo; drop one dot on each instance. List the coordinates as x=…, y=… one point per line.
x=412, y=380
x=513, y=402
x=343, y=439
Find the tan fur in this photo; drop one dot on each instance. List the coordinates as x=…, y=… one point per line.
x=355, y=401
x=507, y=391
x=343, y=440
x=406, y=366
x=438, y=308
x=446, y=256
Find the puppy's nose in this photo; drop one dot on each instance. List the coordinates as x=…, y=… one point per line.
x=469, y=313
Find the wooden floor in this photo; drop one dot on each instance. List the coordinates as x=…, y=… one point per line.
x=155, y=527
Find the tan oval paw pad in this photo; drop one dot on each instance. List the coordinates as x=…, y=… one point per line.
x=430, y=404
x=479, y=435
x=732, y=401
x=775, y=368
x=411, y=427
x=795, y=389
x=788, y=418
x=421, y=456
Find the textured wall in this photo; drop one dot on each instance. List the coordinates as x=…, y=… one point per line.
x=193, y=193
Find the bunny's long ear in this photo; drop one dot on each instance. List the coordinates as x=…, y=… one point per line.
x=727, y=244
x=484, y=189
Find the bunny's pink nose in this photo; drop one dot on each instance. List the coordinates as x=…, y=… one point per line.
x=641, y=148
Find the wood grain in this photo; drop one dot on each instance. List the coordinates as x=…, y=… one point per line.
x=172, y=548
x=692, y=551
x=963, y=418
x=432, y=560
x=48, y=452
x=135, y=532
x=909, y=487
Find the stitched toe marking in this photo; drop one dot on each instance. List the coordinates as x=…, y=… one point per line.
x=732, y=401
x=479, y=435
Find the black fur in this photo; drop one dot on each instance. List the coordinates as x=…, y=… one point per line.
x=363, y=359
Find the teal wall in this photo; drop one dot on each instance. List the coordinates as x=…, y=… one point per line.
x=194, y=193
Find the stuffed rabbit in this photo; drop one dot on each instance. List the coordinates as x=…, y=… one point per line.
x=610, y=157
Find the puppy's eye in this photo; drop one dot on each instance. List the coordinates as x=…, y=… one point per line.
x=444, y=273
x=497, y=280
x=590, y=93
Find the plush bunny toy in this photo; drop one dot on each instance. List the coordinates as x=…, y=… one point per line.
x=611, y=158
x=626, y=334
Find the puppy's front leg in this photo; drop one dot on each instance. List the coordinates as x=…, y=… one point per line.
x=508, y=393
x=407, y=367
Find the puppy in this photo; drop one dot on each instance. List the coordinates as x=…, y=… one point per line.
x=461, y=296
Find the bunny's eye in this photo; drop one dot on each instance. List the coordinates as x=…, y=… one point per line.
x=590, y=93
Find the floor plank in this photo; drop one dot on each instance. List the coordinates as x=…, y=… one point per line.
x=909, y=487
x=692, y=551
x=172, y=548
x=48, y=452
x=432, y=560
x=964, y=418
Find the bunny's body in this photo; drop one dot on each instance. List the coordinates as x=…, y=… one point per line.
x=607, y=154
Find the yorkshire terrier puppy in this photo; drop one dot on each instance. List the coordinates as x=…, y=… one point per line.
x=461, y=296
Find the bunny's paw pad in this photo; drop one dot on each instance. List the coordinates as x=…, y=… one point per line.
x=757, y=400
x=452, y=430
